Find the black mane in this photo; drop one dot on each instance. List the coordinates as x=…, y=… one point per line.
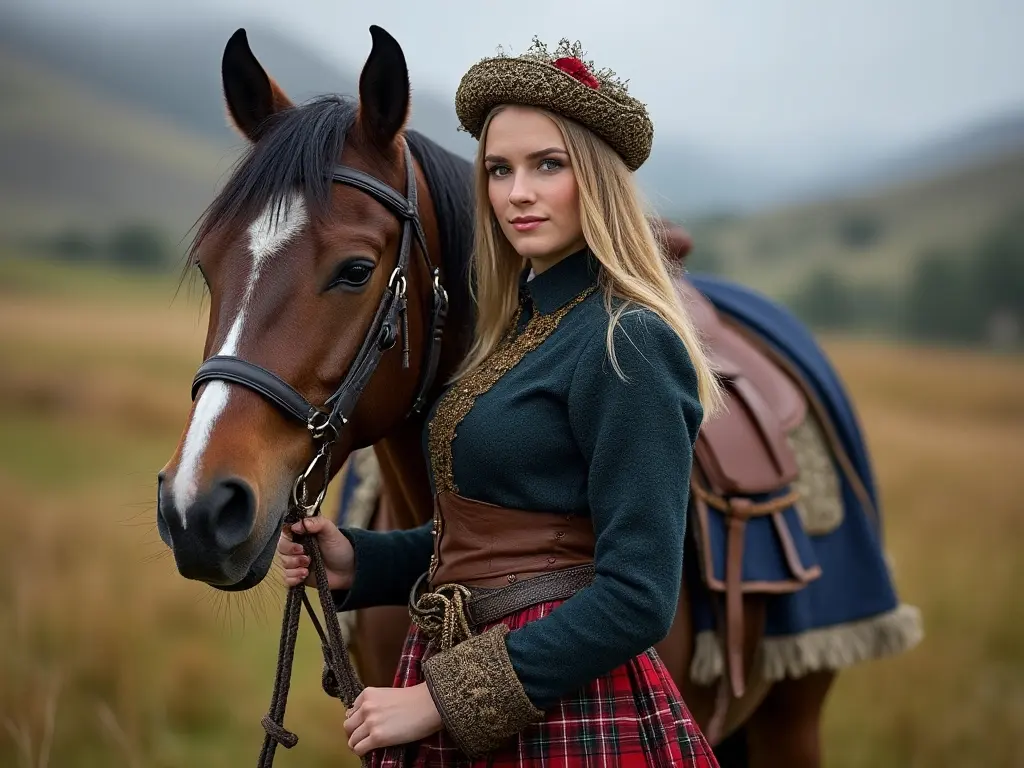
x=450, y=182
x=296, y=152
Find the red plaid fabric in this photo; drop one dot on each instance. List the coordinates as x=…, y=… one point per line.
x=633, y=716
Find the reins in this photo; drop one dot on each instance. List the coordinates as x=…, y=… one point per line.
x=340, y=678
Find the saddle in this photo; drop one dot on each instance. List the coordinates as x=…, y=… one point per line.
x=744, y=468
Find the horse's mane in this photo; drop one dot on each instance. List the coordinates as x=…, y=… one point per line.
x=450, y=181
x=297, y=151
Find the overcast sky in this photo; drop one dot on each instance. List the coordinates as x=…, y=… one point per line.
x=775, y=79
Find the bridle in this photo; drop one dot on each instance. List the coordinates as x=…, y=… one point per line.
x=324, y=424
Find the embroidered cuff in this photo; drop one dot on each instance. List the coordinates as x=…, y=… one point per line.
x=477, y=693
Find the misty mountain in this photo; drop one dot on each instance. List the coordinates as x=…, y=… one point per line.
x=173, y=71
x=973, y=146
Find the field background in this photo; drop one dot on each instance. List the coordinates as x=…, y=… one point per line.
x=108, y=657
x=113, y=139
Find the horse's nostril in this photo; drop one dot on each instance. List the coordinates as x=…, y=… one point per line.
x=232, y=513
x=162, y=510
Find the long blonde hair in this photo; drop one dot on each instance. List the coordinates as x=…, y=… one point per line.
x=620, y=235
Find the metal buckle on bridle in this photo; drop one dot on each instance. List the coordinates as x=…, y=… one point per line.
x=439, y=291
x=402, y=285
x=299, y=487
x=319, y=428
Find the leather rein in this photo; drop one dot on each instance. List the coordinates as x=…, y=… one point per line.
x=390, y=321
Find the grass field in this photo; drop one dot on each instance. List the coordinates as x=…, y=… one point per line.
x=107, y=657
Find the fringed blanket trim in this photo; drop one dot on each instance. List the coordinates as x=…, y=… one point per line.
x=360, y=511
x=831, y=648
x=367, y=491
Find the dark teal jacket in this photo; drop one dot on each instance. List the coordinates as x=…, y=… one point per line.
x=562, y=432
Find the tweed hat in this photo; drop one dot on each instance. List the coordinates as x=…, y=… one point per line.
x=565, y=83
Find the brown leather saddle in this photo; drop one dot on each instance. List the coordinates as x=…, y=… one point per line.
x=743, y=453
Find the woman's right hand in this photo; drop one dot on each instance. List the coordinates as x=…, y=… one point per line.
x=339, y=558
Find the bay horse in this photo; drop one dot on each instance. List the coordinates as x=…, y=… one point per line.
x=328, y=284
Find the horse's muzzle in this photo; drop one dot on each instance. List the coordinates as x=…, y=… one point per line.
x=211, y=539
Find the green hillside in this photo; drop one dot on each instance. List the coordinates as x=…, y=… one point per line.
x=70, y=157
x=874, y=239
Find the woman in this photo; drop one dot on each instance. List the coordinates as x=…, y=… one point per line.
x=560, y=458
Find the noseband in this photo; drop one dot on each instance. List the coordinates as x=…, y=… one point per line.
x=390, y=321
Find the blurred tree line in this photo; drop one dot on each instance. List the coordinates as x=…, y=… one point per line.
x=972, y=297
x=135, y=245
x=951, y=297
x=975, y=297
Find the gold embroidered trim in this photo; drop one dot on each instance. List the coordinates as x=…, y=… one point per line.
x=458, y=401
x=475, y=688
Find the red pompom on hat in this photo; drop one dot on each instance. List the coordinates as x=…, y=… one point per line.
x=576, y=68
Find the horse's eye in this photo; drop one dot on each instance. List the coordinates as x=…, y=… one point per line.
x=354, y=273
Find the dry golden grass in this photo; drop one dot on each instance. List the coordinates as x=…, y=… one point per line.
x=946, y=431
x=108, y=657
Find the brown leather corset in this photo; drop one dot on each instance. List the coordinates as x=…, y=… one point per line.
x=480, y=544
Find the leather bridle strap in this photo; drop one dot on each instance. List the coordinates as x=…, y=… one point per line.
x=383, y=332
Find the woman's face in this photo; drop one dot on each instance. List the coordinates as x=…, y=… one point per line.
x=532, y=186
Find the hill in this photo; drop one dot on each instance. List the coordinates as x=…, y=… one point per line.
x=173, y=71
x=103, y=124
x=146, y=68
x=975, y=144
x=72, y=157
x=874, y=238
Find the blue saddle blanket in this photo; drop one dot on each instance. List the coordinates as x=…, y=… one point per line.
x=854, y=582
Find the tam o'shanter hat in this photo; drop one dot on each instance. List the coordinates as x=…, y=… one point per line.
x=565, y=83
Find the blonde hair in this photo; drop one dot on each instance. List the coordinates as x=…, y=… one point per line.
x=620, y=235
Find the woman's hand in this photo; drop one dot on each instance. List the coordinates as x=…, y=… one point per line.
x=383, y=717
x=339, y=559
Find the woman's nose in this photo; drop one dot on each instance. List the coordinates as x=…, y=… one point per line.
x=522, y=192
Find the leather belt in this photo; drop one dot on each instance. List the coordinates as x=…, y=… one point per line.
x=449, y=613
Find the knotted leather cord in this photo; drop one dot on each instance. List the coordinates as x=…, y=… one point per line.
x=441, y=615
x=340, y=679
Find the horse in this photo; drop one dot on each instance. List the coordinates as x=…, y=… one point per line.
x=329, y=284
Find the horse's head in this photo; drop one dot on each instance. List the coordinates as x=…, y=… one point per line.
x=307, y=257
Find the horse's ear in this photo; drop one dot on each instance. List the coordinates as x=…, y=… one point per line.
x=251, y=95
x=384, y=89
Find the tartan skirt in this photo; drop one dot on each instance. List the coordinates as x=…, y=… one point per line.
x=632, y=716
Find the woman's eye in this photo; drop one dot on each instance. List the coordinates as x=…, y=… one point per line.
x=353, y=274
x=550, y=164
x=499, y=171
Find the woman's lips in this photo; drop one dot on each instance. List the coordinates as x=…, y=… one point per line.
x=527, y=225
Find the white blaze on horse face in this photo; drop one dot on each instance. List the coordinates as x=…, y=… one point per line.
x=268, y=234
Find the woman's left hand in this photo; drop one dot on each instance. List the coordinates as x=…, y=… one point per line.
x=383, y=717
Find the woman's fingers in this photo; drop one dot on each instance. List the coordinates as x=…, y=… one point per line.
x=353, y=721
x=311, y=525
x=291, y=562
x=293, y=578
x=286, y=546
x=358, y=735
